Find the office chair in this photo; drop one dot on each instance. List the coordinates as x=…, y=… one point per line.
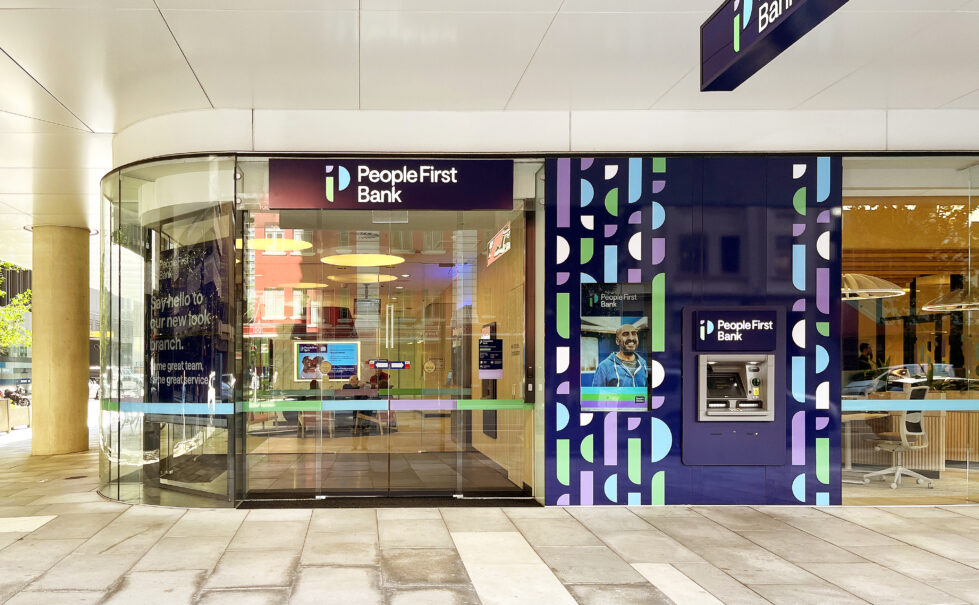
x=912, y=426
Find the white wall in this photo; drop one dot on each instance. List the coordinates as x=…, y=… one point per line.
x=532, y=132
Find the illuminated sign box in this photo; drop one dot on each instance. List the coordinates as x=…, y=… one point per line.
x=742, y=36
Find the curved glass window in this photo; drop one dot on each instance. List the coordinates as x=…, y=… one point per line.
x=257, y=353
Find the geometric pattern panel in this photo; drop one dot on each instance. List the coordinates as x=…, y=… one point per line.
x=692, y=230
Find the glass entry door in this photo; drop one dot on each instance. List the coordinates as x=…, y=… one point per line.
x=362, y=342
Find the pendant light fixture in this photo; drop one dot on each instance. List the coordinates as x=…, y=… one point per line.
x=859, y=286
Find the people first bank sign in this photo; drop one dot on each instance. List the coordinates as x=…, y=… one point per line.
x=368, y=184
x=743, y=36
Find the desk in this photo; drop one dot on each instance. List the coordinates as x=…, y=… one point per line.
x=848, y=436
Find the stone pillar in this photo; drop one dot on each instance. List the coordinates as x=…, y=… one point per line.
x=59, y=321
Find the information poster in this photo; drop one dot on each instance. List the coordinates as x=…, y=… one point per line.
x=188, y=326
x=490, y=358
x=615, y=344
x=330, y=360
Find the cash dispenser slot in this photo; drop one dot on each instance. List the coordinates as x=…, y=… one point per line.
x=736, y=388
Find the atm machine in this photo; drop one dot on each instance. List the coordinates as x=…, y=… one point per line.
x=734, y=393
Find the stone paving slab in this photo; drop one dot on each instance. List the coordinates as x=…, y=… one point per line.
x=60, y=542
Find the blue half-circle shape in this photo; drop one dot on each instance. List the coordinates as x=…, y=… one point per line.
x=344, y=178
x=799, y=487
x=563, y=416
x=612, y=488
x=822, y=358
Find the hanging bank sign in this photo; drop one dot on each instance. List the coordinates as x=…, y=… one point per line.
x=743, y=36
x=368, y=184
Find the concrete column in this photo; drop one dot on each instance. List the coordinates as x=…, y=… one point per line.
x=60, y=331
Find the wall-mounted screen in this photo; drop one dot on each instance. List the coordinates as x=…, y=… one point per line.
x=326, y=360
x=615, y=337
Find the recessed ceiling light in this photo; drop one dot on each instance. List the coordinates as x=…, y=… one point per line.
x=305, y=285
x=275, y=244
x=405, y=275
x=399, y=287
x=361, y=278
x=362, y=260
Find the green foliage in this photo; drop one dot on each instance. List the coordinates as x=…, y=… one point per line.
x=13, y=332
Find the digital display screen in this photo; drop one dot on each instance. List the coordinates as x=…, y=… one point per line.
x=724, y=385
x=328, y=360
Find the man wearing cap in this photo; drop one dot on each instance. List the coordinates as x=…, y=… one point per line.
x=625, y=367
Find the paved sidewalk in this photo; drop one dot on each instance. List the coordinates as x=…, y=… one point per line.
x=62, y=543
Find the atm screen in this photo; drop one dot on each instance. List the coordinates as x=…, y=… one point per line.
x=724, y=384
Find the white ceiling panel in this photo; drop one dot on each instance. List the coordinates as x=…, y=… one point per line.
x=464, y=6
x=110, y=67
x=76, y=4
x=927, y=70
x=40, y=180
x=607, y=61
x=21, y=95
x=265, y=60
x=704, y=7
x=76, y=205
x=264, y=5
x=71, y=148
x=445, y=61
x=14, y=123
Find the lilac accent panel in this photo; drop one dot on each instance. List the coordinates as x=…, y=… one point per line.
x=823, y=217
x=799, y=306
x=564, y=500
x=635, y=218
x=635, y=276
x=822, y=422
x=659, y=250
x=822, y=290
x=656, y=402
x=798, y=229
x=611, y=439
x=587, y=488
x=423, y=404
x=564, y=192
x=610, y=230
x=564, y=388
x=586, y=163
x=659, y=186
x=634, y=423
x=562, y=277
x=799, y=439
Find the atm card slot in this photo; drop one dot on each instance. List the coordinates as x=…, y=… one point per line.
x=749, y=405
x=717, y=404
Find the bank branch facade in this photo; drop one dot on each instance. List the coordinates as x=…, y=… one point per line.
x=620, y=330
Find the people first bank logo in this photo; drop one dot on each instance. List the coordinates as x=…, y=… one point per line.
x=706, y=327
x=384, y=186
x=742, y=15
x=769, y=11
x=337, y=179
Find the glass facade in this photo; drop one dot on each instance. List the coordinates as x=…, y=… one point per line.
x=253, y=353
x=908, y=330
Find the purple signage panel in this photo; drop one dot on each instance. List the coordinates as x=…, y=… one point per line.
x=742, y=36
x=409, y=184
x=735, y=330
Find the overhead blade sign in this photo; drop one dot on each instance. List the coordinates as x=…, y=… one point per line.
x=742, y=36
